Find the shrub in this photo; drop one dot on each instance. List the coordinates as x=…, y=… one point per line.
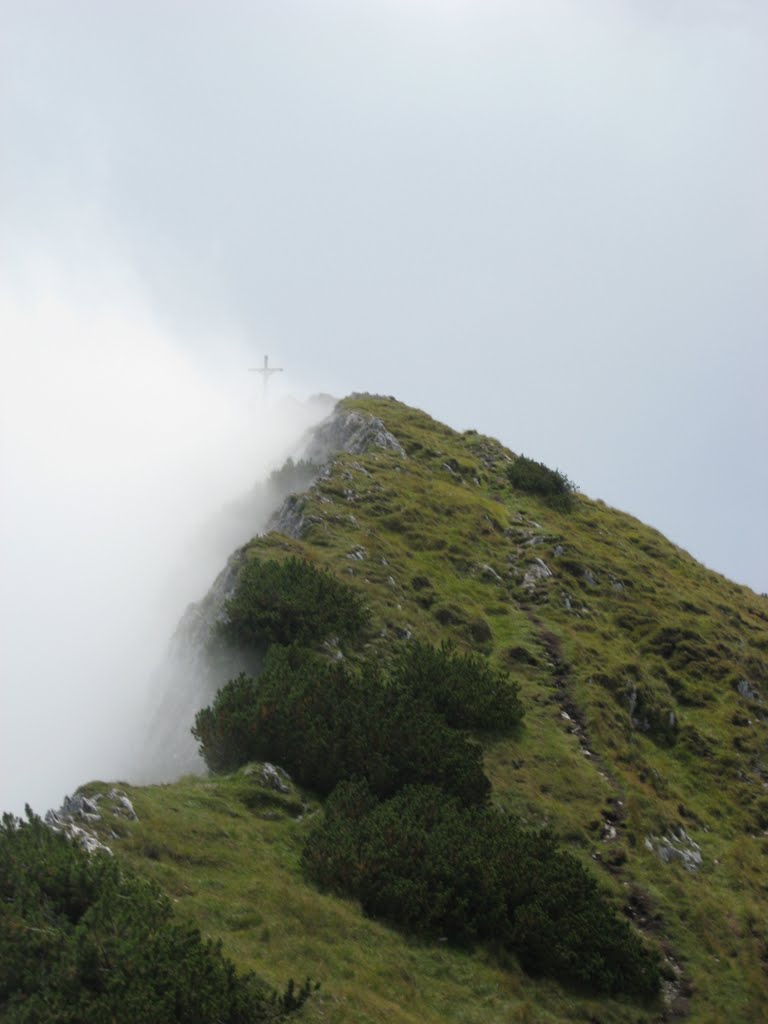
x=289, y=602
x=326, y=722
x=431, y=866
x=225, y=730
x=565, y=928
x=463, y=688
x=80, y=941
x=549, y=484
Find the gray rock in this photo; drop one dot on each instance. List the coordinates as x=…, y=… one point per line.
x=633, y=701
x=677, y=845
x=124, y=806
x=77, y=808
x=275, y=778
x=746, y=691
x=350, y=431
x=490, y=573
x=537, y=571
x=85, y=839
x=290, y=517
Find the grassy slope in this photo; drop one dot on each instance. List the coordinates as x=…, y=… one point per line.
x=446, y=546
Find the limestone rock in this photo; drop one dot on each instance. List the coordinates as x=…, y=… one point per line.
x=275, y=778
x=537, y=571
x=745, y=690
x=676, y=845
x=490, y=573
x=347, y=430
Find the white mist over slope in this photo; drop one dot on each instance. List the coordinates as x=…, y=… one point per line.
x=118, y=452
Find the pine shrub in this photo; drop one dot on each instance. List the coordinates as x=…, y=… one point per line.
x=326, y=722
x=465, y=689
x=535, y=478
x=289, y=602
x=81, y=941
x=431, y=866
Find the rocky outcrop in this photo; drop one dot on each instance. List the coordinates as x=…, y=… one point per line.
x=78, y=815
x=536, y=573
x=676, y=845
x=347, y=430
x=270, y=775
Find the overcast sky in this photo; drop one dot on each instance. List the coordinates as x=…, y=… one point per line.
x=546, y=220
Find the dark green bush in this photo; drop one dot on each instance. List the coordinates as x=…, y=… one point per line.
x=326, y=722
x=565, y=928
x=289, y=602
x=434, y=867
x=80, y=941
x=225, y=730
x=464, y=689
x=535, y=478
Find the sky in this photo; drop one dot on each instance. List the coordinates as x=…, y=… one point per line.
x=546, y=220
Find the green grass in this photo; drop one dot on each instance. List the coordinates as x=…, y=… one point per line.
x=232, y=869
x=448, y=544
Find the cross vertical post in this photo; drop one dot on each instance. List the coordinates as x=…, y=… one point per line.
x=265, y=372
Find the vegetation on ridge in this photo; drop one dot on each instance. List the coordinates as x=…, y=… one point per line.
x=325, y=723
x=426, y=863
x=625, y=629
x=408, y=830
x=535, y=478
x=81, y=940
x=288, y=602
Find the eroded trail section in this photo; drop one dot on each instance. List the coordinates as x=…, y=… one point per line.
x=611, y=851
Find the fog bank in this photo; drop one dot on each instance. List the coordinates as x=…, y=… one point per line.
x=119, y=451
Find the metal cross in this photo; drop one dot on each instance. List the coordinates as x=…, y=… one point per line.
x=265, y=371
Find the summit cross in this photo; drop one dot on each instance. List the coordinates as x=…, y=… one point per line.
x=265, y=372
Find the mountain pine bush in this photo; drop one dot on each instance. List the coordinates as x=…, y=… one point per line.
x=408, y=830
x=289, y=602
x=326, y=722
x=465, y=689
x=535, y=478
x=81, y=941
x=431, y=866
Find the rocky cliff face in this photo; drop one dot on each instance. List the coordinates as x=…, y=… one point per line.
x=189, y=676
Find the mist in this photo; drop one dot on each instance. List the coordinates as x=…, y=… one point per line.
x=540, y=219
x=120, y=453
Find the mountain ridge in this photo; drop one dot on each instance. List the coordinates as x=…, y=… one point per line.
x=642, y=674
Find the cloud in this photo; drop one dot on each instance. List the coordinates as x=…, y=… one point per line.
x=544, y=220
x=119, y=451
